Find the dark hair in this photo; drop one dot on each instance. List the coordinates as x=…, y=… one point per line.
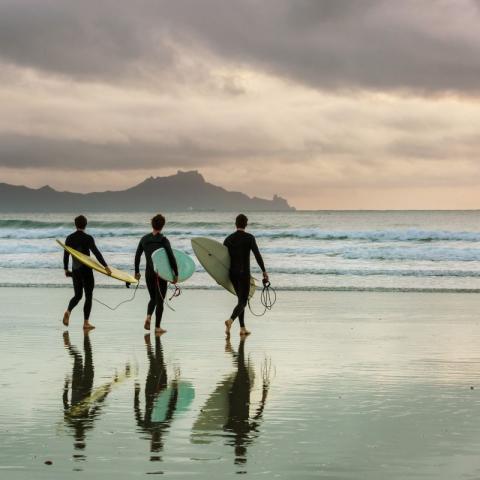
x=158, y=221
x=241, y=221
x=81, y=222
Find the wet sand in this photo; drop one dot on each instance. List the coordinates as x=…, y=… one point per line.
x=330, y=384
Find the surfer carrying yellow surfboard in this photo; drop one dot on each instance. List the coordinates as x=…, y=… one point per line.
x=81, y=274
x=157, y=287
x=240, y=244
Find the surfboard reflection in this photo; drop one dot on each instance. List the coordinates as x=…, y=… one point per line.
x=228, y=409
x=163, y=399
x=85, y=404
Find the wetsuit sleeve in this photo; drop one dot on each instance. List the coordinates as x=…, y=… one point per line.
x=66, y=256
x=171, y=257
x=96, y=252
x=138, y=255
x=258, y=257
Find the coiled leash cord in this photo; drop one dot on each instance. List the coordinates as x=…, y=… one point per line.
x=124, y=301
x=268, y=297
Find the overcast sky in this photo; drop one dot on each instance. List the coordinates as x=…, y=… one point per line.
x=329, y=103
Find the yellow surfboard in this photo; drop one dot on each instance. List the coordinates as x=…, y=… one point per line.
x=98, y=394
x=93, y=264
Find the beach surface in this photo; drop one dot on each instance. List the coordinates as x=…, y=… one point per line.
x=330, y=385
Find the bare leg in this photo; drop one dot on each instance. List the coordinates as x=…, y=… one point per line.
x=66, y=318
x=146, y=325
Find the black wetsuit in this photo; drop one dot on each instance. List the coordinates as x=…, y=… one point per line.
x=242, y=424
x=80, y=416
x=82, y=275
x=155, y=384
x=157, y=287
x=239, y=245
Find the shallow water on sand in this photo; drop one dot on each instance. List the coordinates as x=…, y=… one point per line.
x=331, y=385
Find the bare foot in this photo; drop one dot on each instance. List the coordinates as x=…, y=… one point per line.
x=244, y=332
x=66, y=318
x=228, y=326
x=88, y=326
x=146, y=325
x=160, y=331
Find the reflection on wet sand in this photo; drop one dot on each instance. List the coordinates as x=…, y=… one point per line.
x=227, y=409
x=85, y=405
x=162, y=400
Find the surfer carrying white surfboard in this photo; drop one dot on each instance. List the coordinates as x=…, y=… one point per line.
x=81, y=274
x=240, y=244
x=157, y=287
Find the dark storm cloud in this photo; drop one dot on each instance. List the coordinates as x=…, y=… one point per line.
x=82, y=39
x=19, y=152
x=327, y=44
x=372, y=44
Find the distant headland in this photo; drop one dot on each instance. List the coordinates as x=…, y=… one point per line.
x=184, y=191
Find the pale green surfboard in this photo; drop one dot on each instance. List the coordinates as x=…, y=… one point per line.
x=215, y=259
x=185, y=264
x=215, y=412
x=183, y=393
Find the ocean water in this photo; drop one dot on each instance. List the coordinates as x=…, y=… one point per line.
x=341, y=384
x=324, y=250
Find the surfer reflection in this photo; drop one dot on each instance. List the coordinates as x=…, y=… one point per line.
x=163, y=400
x=84, y=405
x=228, y=408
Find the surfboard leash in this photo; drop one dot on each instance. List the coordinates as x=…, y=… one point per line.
x=167, y=300
x=121, y=303
x=176, y=292
x=268, y=297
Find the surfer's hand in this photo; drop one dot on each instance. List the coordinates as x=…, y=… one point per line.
x=265, y=276
x=107, y=269
x=138, y=276
x=175, y=279
x=68, y=273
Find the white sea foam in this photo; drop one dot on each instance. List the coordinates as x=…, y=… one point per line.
x=399, y=235
x=354, y=250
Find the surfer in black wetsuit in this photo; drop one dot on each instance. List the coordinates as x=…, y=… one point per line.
x=243, y=424
x=157, y=287
x=84, y=406
x=240, y=244
x=155, y=420
x=82, y=275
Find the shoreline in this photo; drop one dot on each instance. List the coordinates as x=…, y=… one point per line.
x=259, y=288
